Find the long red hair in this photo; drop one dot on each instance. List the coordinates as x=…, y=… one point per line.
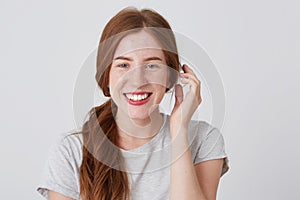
x=98, y=179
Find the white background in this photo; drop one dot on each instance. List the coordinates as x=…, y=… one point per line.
x=254, y=44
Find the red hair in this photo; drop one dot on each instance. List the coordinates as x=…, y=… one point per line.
x=98, y=180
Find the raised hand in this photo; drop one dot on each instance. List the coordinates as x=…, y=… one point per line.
x=185, y=107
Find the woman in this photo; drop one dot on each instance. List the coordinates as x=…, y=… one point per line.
x=128, y=149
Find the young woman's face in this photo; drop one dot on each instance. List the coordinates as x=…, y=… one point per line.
x=138, y=76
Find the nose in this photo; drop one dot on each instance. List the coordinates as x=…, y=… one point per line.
x=137, y=76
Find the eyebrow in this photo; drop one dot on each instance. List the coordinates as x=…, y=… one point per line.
x=130, y=59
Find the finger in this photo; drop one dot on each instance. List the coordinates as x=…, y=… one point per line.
x=178, y=94
x=191, y=80
x=194, y=86
x=187, y=69
x=190, y=76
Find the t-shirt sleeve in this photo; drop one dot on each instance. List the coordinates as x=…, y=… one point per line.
x=59, y=173
x=211, y=147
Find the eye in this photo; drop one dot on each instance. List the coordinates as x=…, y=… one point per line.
x=151, y=66
x=122, y=65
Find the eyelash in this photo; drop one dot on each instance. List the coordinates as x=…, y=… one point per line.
x=151, y=66
x=148, y=66
x=120, y=65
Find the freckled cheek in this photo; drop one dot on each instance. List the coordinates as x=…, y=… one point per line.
x=115, y=80
x=160, y=79
x=159, y=93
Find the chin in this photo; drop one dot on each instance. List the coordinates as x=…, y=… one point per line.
x=136, y=113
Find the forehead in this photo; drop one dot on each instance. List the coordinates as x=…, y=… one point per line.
x=138, y=42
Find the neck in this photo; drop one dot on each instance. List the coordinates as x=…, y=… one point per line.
x=139, y=129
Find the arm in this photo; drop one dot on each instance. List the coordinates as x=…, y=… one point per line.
x=208, y=174
x=189, y=182
x=184, y=184
x=56, y=196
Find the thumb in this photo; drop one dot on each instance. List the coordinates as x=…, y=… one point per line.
x=178, y=95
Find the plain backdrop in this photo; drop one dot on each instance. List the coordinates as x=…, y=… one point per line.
x=254, y=44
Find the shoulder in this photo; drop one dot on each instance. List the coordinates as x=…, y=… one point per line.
x=69, y=147
x=61, y=171
x=199, y=130
x=71, y=140
x=206, y=141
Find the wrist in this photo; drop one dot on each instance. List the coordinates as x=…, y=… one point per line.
x=179, y=133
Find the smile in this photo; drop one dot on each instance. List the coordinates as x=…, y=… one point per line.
x=137, y=98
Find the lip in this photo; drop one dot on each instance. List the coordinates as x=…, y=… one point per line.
x=137, y=103
x=137, y=93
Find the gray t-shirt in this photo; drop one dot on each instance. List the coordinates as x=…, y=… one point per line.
x=148, y=166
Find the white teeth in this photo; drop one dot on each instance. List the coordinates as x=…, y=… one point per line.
x=137, y=97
